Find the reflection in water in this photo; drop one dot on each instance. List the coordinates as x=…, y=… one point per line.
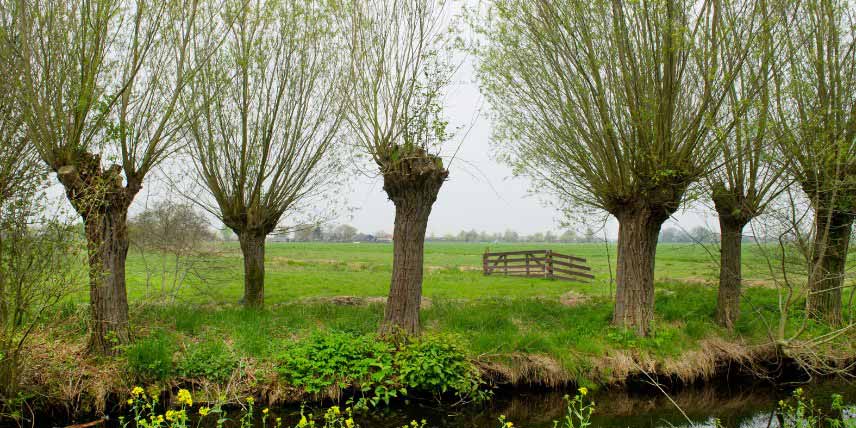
x=747, y=406
x=738, y=406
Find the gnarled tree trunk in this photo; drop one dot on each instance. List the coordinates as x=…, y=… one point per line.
x=253, y=249
x=102, y=201
x=107, y=243
x=413, y=188
x=829, y=257
x=731, y=245
x=638, y=231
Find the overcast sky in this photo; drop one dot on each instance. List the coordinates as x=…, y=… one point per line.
x=479, y=194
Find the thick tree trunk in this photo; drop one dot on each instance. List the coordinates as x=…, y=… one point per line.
x=731, y=244
x=107, y=243
x=100, y=198
x=413, y=190
x=638, y=231
x=826, y=275
x=253, y=249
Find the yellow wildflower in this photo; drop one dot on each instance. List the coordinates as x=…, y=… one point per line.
x=184, y=397
x=302, y=422
x=335, y=409
x=170, y=415
x=251, y=400
x=583, y=391
x=266, y=410
x=130, y=401
x=349, y=423
x=137, y=391
x=509, y=424
x=203, y=411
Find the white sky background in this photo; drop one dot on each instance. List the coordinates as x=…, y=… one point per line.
x=479, y=194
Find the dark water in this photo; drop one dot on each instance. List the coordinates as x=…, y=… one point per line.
x=743, y=405
x=735, y=406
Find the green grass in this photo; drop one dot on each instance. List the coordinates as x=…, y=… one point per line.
x=452, y=271
x=496, y=316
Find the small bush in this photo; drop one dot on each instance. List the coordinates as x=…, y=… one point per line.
x=324, y=360
x=433, y=364
x=438, y=364
x=208, y=359
x=150, y=358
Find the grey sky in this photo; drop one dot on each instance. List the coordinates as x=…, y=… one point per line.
x=481, y=193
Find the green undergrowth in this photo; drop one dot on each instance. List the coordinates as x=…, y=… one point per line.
x=317, y=346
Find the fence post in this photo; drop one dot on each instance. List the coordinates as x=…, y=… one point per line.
x=484, y=264
x=527, y=264
x=548, y=264
x=505, y=265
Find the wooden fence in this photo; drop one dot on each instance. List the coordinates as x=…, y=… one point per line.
x=537, y=264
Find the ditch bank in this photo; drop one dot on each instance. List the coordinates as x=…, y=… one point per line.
x=65, y=385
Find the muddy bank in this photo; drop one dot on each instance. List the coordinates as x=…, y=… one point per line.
x=68, y=386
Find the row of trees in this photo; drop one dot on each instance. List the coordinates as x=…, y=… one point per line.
x=634, y=108
x=255, y=95
x=631, y=108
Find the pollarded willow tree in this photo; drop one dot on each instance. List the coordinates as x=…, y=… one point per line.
x=399, y=67
x=610, y=105
x=100, y=84
x=814, y=110
x=264, y=114
x=750, y=172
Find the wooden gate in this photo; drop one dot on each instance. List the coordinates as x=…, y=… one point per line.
x=537, y=264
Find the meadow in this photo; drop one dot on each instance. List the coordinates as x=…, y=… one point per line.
x=561, y=327
x=452, y=271
x=324, y=301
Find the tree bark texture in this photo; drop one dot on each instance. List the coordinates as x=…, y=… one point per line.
x=730, y=279
x=638, y=230
x=413, y=187
x=107, y=240
x=253, y=249
x=102, y=201
x=826, y=273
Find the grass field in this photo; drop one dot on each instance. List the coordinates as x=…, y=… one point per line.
x=524, y=329
x=452, y=271
x=497, y=316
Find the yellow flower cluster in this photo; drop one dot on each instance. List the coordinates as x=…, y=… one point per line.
x=583, y=391
x=175, y=415
x=138, y=392
x=184, y=397
x=203, y=411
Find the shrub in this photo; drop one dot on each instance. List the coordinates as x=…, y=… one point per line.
x=433, y=364
x=325, y=360
x=150, y=358
x=438, y=364
x=208, y=359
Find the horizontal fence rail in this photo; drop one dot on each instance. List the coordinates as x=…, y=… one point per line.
x=537, y=264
